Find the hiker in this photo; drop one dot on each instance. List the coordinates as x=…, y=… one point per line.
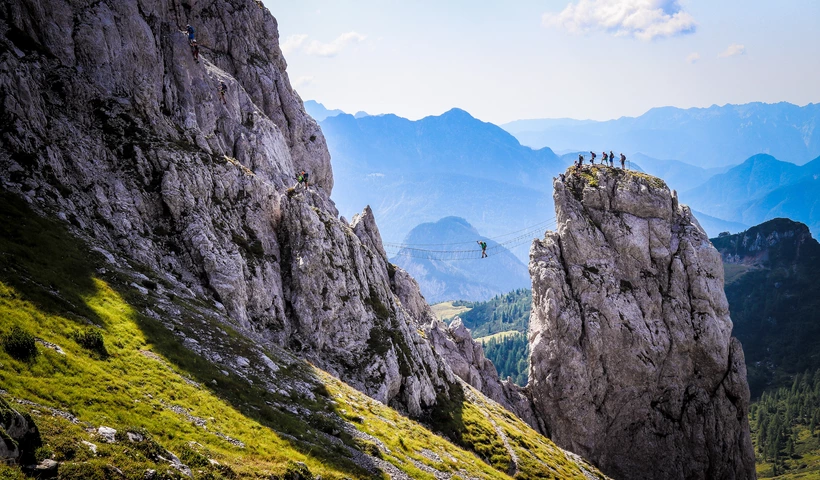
x=302, y=178
x=580, y=161
x=222, y=90
x=592, y=160
x=605, y=158
x=611, y=159
x=195, y=50
x=483, y=245
x=623, y=160
x=191, y=35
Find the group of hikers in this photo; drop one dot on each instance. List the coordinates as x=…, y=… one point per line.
x=223, y=88
x=610, y=157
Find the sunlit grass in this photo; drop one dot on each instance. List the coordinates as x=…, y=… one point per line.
x=53, y=287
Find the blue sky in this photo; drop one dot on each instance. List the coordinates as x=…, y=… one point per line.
x=514, y=59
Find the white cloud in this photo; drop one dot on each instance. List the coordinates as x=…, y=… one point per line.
x=302, y=81
x=693, y=57
x=734, y=49
x=642, y=19
x=333, y=48
x=293, y=42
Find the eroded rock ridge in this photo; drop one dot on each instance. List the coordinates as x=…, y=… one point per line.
x=633, y=364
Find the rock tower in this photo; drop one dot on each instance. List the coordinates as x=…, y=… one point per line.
x=633, y=363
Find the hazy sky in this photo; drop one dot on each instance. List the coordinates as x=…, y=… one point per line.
x=503, y=60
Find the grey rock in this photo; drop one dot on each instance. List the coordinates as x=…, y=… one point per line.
x=90, y=446
x=48, y=468
x=632, y=361
x=107, y=434
x=19, y=435
x=466, y=359
x=116, y=126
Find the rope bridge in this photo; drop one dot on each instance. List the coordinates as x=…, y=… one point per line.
x=460, y=251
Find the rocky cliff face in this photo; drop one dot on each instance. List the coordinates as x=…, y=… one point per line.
x=110, y=124
x=465, y=357
x=780, y=240
x=633, y=364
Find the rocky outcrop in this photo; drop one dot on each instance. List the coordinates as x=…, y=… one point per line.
x=632, y=361
x=19, y=435
x=465, y=357
x=110, y=124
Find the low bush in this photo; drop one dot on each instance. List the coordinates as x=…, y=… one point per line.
x=91, y=339
x=20, y=344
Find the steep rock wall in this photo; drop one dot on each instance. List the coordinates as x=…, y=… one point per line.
x=110, y=124
x=632, y=361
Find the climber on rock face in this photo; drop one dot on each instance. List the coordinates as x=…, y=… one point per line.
x=191, y=34
x=302, y=178
x=592, y=160
x=195, y=50
x=222, y=90
x=483, y=245
x=623, y=160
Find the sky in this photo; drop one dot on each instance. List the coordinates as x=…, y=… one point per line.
x=504, y=60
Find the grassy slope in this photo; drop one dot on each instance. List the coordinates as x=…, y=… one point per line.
x=51, y=286
x=446, y=310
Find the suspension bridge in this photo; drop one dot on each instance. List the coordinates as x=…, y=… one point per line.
x=468, y=250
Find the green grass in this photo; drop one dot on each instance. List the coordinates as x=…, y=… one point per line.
x=146, y=381
x=447, y=311
x=499, y=336
x=733, y=271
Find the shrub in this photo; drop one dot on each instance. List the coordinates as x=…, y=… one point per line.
x=20, y=344
x=296, y=471
x=91, y=339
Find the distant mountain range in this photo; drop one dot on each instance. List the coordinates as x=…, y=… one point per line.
x=412, y=172
x=759, y=189
x=459, y=276
x=704, y=137
x=319, y=112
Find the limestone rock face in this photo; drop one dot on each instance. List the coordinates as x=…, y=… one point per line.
x=110, y=124
x=632, y=361
x=466, y=359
